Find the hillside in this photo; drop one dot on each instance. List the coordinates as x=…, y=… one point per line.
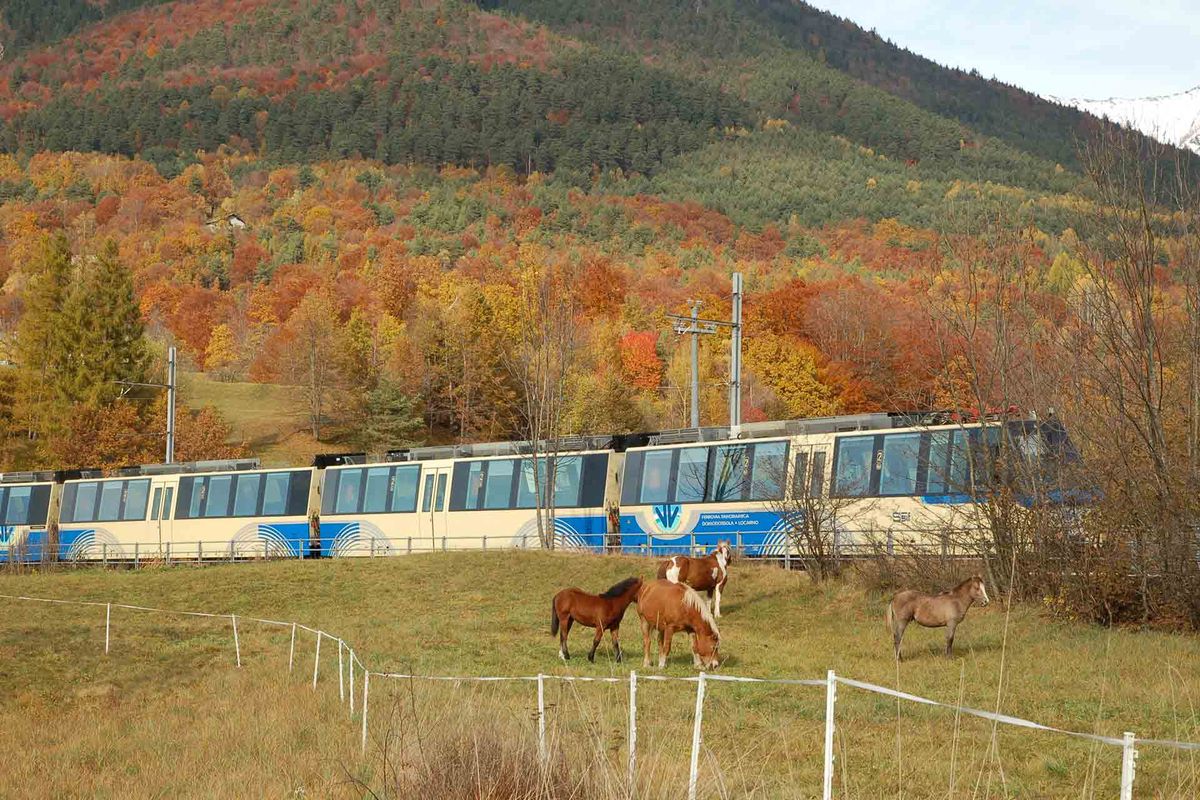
x=104, y=720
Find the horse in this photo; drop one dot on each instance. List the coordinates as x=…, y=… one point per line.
x=602, y=612
x=934, y=610
x=672, y=607
x=704, y=574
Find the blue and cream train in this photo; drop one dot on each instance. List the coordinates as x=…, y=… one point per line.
x=903, y=476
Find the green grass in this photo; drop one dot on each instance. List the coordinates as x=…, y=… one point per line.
x=270, y=419
x=167, y=714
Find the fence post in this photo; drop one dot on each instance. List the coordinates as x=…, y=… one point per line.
x=891, y=543
x=292, y=649
x=694, y=770
x=410, y=545
x=443, y=544
x=366, y=694
x=199, y=552
x=632, y=732
x=107, y=626
x=1128, y=766
x=830, y=700
x=541, y=715
x=317, y=659
x=351, y=683
x=341, y=673
x=787, y=557
x=692, y=545
x=738, y=540
x=136, y=557
x=237, y=647
x=230, y=551
x=168, y=554
x=104, y=552
x=485, y=544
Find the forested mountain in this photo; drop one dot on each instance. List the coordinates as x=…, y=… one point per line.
x=377, y=188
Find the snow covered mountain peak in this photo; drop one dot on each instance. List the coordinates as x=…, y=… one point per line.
x=1171, y=118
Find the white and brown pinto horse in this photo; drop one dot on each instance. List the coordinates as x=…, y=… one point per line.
x=934, y=610
x=705, y=574
x=673, y=607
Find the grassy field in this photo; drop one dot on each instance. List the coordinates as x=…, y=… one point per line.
x=167, y=714
x=269, y=419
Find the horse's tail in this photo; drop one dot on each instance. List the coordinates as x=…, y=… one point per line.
x=553, y=617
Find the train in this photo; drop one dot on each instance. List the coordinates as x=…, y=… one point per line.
x=899, y=477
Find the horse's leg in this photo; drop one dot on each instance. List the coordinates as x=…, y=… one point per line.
x=664, y=646
x=717, y=601
x=951, y=624
x=564, y=627
x=898, y=627
x=645, y=643
x=596, y=642
x=614, y=632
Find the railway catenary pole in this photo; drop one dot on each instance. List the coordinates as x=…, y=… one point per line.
x=171, y=404
x=696, y=326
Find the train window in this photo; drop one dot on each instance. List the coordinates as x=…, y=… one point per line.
x=156, y=503
x=348, y=491
x=166, y=507
x=898, y=473
x=110, y=501
x=692, y=481
x=948, y=463
x=656, y=476
x=136, y=495
x=245, y=497
x=769, y=471
x=474, y=485
x=199, y=490
x=729, y=474
x=800, y=475
x=566, y=482
x=440, y=500
x=853, y=471
x=17, y=510
x=376, y=497
x=816, y=486
x=219, y=490
x=85, y=501
x=275, y=493
x=427, y=495
x=404, y=489
x=499, y=484
x=527, y=493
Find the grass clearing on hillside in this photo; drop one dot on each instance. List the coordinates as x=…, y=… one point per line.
x=167, y=713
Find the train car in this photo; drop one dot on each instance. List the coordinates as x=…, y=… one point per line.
x=28, y=513
x=893, y=479
x=220, y=509
x=470, y=496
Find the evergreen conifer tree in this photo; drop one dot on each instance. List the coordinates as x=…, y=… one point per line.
x=42, y=342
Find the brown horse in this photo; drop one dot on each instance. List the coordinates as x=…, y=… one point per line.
x=934, y=610
x=602, y=612
x=673, y=607
x=705, y=574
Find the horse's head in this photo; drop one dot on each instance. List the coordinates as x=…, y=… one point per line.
x=706, y=645
x=979, y=591
x=724, y=550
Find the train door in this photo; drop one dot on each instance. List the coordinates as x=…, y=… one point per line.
x=162, y=510
x=435, y=490
x=810, y=474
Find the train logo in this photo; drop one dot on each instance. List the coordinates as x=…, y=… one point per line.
x=7, y=533
x=668, y=517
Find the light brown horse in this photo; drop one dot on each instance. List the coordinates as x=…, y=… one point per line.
x=934, y=610
x=704, y=574
x=673, y=607
x=602, y=612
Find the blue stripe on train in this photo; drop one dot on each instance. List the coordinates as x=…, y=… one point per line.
x=759, y=532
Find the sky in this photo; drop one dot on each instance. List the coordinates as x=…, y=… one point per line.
x=1065, y=48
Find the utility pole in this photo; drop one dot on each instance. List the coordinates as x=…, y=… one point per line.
x=735, y=359
x=170, y=387
x=170, y=405
x=696, y=326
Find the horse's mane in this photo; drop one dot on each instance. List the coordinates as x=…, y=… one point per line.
x=961, y=584
x=693, y=600
x=620, y=588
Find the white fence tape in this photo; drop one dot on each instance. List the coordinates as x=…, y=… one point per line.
x=1128, y=742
